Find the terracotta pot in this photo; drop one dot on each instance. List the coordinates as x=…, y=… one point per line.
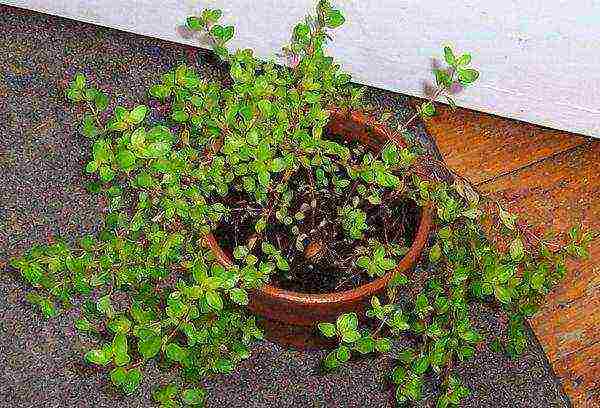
x=292, y=316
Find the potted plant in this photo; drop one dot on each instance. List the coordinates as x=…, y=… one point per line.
x=277, y=193
x=294, y=307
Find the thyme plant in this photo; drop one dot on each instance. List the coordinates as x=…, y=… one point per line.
x=254, y=155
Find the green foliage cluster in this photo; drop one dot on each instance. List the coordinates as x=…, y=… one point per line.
x=465, y=266
x=169, y=182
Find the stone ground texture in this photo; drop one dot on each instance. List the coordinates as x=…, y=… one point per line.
x=42, y=192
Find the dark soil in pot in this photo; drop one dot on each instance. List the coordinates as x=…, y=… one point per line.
x=322, y=258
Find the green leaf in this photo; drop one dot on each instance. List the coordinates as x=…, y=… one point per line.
x=487, y=288
x=179, y=116
x=328, y=329
x=221, y=33
x=74, y=95
x=467, y=76
x=166, y=393
x=106, y=173
x=212, y=16
x=268, y=248
x=379, y=252
x=334, y=19
x=574, y=232
x=398, y=374
x=282, y=264
x=126, y=159
x=422, y=307
x=228, y=33
x=434, y=331
x=100, y=357
x=375, y=303
x=435, y=253
x=496, y=345
x=193, y=396
x=449, y=56
x=144, y=180
x=160, y=91
x=246, y=112
x=331, y=360
x=214, y=300
x=79, y=81
x=221, y=51
x=194, y=23
x=175, y=352
x=470, y=336
x=118, y=375
x=94, y=187
x=120, y=349
x=363, y=262
x=427, y=109
x=224, y=365
x=343, y=353
x=398, y=279
x=277, y=165
x=253, y=137
x=137, y=115
x=302, y=32
x=383, y=345
x=464, y=60
x=83, y=325
x=365, y=345
x=442, y=78
x=460, y=274
x=507, y=218
x=502, y=294
x=260, y=225
x=466, y=352
x=312, y=97
x=387, y=264
x=506, y=272
x=265, y=107
x=90, y=94
x=412, y=389
x=101, y=100
x=350, y=336
x=516, y=249
x=390, y=154
x=149, y=346
x=104, y=306
x=91, y=167
x=89, y=128
x=240, y=252
x=420, y=365
x=537, y=280
x=133, y=380
x=264, y=177
x=239, y=296
x=157, y=150
x=120, y=324
x=138, y=138
x=346, y=322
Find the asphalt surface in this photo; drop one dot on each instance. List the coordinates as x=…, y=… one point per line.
x=42, y=191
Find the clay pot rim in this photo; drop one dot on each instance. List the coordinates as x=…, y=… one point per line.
x=367, y=289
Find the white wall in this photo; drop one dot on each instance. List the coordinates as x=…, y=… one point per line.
x=540, y=59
